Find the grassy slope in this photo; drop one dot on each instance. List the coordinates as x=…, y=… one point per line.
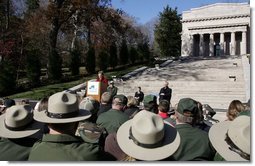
x=39, y=93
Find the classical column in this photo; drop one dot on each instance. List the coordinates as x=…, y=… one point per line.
x=243, y=45
x=211, y=45
x=222, y=49
x=201, y=45
x=233, y=44
x=191, y=49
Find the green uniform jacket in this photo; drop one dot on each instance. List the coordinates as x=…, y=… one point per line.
x=15, y=149
x=112, y=120
x=64, y=147
x=195, y=144
x=113, y=90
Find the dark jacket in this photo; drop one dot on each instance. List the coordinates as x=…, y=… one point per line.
x=113, y=90
x=64, y=147
x=15, y=149
x=131, y=111
x=195, y=144
x=112, y=120
x=140, y=96
x=167, y=94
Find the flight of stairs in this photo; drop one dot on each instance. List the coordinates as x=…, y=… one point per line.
x=211, y=81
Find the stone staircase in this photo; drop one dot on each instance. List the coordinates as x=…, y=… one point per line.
x=211, y=81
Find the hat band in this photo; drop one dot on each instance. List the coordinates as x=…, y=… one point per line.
x=235, y=149
x=18, y=128
x=60, y=116
x=158, y=144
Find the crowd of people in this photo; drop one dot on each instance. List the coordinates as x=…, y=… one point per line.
x=121, y=128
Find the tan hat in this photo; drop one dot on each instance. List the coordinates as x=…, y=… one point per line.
x=18, y=122
x=63, y=107
x=231, y=139
x=147, y=137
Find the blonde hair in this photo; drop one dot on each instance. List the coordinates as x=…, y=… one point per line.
x=132, y=101
x=235, y=107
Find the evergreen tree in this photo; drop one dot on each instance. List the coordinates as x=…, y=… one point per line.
x=133, y=55
x=55, y=65
x=167, y=32
x=103, y=60
x=113, y=59
x=32, y=5
x=91, y=61
x=7, y=77
x=75, y=61
x=124, y=54
x=33, y=67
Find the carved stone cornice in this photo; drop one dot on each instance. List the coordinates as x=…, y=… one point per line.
x=215, y=18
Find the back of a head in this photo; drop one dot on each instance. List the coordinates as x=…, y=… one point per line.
x=150, y=103
x=187, y=110
x=119, y=100
x=132, y=101
x=106, y=98
x=234, y=109
x=163, y=106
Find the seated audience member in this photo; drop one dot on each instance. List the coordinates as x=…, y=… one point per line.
x=62, y=116
x=42, y=104
x=139, y=95
x=112, y=119
x=18, y=132
x=231, y=139
x=92, y=105
x=132, y=108
x=163, y=109
x=101, y=78
x=191, y=137
x=234, y=109
x=150, y=103
x=7, y=103
x=112, y=89
x=106, y=103
x=112, y=147
x=147, y=137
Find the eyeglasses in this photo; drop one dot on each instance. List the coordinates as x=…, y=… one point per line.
x=235, y=149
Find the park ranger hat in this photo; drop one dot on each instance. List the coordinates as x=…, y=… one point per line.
x=231, y=139
x=63, y=107
x=18, y=122
x=148, y=137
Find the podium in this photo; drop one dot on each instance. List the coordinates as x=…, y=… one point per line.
x=96, y=89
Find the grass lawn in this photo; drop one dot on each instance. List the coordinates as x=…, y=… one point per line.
x=44, y=91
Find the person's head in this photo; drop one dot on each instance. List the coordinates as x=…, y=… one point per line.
x=100, y=74
x=90, y=104
x=43, y=105
x=132, y=101
x=166, y=84
x=148, y=137
x=111, y=84
x=139, y=88
x=119, y=102
x=231, y=139
x=18, y=122
x=235, y=107
x=6, y=104
x=187, y=111
x=106, y=98
x=163, y=106
x=150, y=103
x=63, y=110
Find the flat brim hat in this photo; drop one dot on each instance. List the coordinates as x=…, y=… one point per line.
x=147, y=137
x=63, y=107
x=238, y=131
x=18, y=122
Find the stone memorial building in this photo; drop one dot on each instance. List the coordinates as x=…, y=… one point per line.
x=216, y=30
